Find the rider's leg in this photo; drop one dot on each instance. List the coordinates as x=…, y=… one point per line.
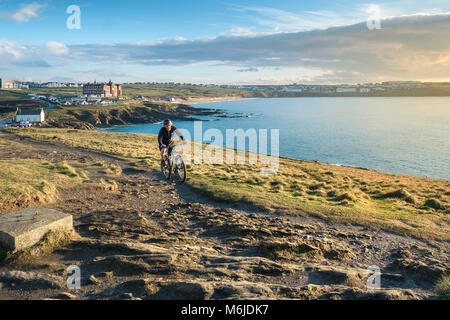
x=163, y=151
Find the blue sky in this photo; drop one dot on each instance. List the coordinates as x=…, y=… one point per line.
x=223, y=41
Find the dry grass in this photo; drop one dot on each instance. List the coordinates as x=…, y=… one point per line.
x=50, y=242
x=443, y=288
x=399, y=203
x=26, y=181
x=112, y=170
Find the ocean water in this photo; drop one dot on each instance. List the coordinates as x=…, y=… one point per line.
x=397, y=135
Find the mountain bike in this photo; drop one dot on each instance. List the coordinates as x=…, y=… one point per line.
x=174, y=164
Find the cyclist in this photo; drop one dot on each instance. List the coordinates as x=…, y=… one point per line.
x=165, y=138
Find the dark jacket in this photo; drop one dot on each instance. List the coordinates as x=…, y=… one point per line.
x=166, y=137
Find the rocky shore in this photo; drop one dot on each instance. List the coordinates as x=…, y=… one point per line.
x=91, y=118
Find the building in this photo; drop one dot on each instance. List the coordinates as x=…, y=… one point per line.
x=346, y=89
x=103, y=89
x=53, y=85
x=8, y=84
x=30, y=115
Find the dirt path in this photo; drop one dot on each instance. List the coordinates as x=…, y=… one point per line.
x=152, y=239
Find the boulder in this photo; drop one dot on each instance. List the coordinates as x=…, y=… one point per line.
x=23, y=229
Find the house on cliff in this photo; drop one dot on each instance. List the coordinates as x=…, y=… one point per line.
x=30, y=115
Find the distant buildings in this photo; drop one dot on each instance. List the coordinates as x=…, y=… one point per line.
x=30, y=115
x=346, y=89
x=8, y=84
x=103, y=89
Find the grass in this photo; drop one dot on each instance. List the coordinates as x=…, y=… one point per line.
x=111, y=169
x=27, y=181
x=155, y=91
x=181, y=91
x=125, y=111
x=398, y=203
x=50, y=242
x=6, y=96
x=443, y=288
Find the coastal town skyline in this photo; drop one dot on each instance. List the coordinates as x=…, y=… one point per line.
x=245, y=43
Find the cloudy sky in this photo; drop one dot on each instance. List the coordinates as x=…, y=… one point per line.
x=226, y=42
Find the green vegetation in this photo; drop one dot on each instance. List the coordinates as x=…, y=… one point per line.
x=32, y=180
x=9, y=102
x=124, y=112
x=181, y=91
x=6, y=96
x=112, y=170
x=155, y=91
x=50, y=242
x=63, y=91
x=126, y=105
x=443, y=288
x=392, y=202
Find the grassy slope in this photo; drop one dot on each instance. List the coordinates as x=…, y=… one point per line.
x=9, y=102
x=128, y=104
x=28, y=181
x=156, y=90
x=129, y=111
x=341, y=194
x=161, y=90
x=33, y=180
x=6, y=96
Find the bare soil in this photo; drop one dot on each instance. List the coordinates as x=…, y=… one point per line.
x=153, y=239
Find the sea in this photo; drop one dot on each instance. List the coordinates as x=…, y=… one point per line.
x=405, y=135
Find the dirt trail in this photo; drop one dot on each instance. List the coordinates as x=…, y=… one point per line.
x=152, y=239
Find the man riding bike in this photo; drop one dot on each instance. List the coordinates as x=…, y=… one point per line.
x=165, y=138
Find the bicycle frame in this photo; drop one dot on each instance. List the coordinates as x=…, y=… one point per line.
x=175, y=151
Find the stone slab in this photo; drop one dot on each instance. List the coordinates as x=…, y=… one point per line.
x=25, y=228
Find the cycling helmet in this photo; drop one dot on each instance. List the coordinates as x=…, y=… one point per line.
x=167, y=122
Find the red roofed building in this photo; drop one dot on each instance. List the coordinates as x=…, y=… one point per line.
x=103, y=89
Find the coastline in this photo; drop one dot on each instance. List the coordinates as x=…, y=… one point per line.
x=210, y=99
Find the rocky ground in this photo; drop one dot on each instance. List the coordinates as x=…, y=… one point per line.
x=152, y=239
x=88, y=118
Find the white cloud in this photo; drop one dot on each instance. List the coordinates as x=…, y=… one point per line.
x=277, y=20
x=17, y=54
x=11, y=50
x=24, y=14
x=56, y=48
x=240, y=31
x=406, y=48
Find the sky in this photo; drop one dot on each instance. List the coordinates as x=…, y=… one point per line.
x=225, y=41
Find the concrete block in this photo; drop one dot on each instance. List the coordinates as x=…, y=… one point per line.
x=25, y=228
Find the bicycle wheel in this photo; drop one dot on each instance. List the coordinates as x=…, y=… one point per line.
x=180, y=169
x=167, y=169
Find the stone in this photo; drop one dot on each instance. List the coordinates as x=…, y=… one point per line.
x=23, y=229
x=93, y=280
x=31, y=280
x=184, y=291
x=66, y=296
x=128, y=290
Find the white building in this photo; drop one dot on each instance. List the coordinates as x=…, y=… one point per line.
x=346, y=89
x=29, y=115
x=8, y=84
